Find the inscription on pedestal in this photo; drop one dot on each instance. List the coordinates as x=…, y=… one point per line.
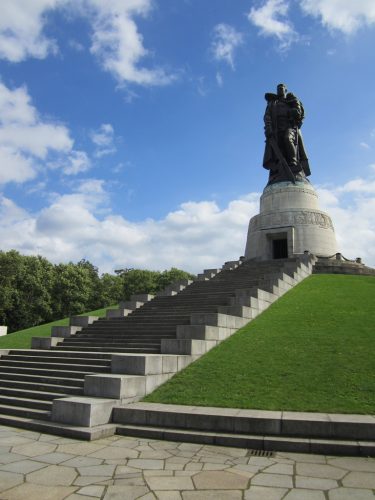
x=303, y=217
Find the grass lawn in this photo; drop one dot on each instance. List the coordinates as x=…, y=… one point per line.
x=22, y=338
x=312, y=350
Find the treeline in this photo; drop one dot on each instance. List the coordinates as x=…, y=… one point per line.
x=35, y=291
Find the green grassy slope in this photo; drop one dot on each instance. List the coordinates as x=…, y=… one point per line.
x=22, y=338
x=313, y=350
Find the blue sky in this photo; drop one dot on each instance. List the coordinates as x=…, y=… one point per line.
x=131, y=131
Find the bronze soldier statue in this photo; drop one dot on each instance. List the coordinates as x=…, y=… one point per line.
x=284, y=156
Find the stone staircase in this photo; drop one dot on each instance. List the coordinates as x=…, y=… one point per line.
x=70, y=382
x=31, y=379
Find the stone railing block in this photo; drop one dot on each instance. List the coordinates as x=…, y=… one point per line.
x=118, y=313
x=64, y=331
x=131, y=304
x=154, y=381
x=116, y=386
x=81, y=411
x=237, y=310
x=202, y=332
x=82, y=321
x=186, y=346
x=137, y=364
x=142, y=297
x=45, y=342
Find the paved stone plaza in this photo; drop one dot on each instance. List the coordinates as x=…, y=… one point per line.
x=38, y=466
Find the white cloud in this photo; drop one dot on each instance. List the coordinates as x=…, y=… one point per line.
x=219, y=79
x=25, y=138
x=14, y=166
x=76, y=162
x=346, y=16
x=195, y=236
x=225, y=41
x=351, y=207
x=103, y=138
x=366, y=186
x=74, y=45
x=116, y=41
x=21, y=26
x=271, y=19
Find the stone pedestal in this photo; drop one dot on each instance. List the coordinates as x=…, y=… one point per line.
x=289, y=223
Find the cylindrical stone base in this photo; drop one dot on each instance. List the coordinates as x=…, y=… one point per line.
x=289, y=223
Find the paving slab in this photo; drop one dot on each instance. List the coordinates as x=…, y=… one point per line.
x=354, y=464
x=262, y=493
x=53, y=475
x=280, y=480
x=54, y=458
x=212, y=495
x=350, y=494
x=220, y=480
x=97, y=470
x=124, y=492
x=305, y=495
x=168, y=495
x=91, y=491
x=22, y=466
x=315, y=483
x=9, y=480
x=33, y=449
x=169, y=483
x=37, y=492
x=360, y=480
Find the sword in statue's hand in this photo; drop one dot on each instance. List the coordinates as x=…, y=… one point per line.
x=280, y=157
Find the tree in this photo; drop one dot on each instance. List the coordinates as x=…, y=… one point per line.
x=26, y=285
x=111, y=289
x=143, y=281
x=72, y=290
x=139, y=281
x=167, y=277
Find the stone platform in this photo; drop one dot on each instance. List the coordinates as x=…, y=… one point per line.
x=289, y=223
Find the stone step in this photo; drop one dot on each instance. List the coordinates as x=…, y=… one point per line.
x=124, y=343
x=52, y=366
x=109, y=349
x=99, y=337
x=25, y=402
x=157, y=327
x=78, y=355
x=49, y=388
x=56, y=359
x=46, y=373
x=262, y=422
x=143, y=322
x=35, y=423
x=19, y=411
x=29, y=393
x=44, y=379
x=255, y=442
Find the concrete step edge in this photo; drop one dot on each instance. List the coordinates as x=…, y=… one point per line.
x=258, y=442
x=65, y=430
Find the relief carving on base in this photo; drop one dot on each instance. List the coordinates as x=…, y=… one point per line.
x=304, y=217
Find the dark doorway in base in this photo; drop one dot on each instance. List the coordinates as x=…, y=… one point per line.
x=280, y=249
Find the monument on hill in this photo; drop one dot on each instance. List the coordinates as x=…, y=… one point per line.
x=290, y=221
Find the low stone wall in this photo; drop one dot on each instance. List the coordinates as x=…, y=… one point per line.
x=331, y=266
